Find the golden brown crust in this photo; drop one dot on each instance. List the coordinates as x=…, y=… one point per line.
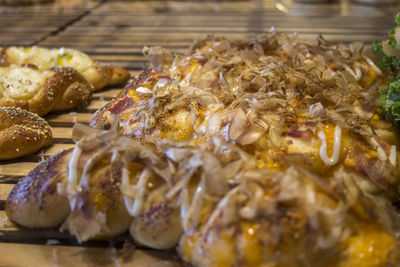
x=22, y=132
x=101, y=119
x=34, y=201
x=96, y=74
x=100, y=76
x=77, y=91
x=64, y=89
x=119, y=75
x=3, y=57
x=158, y=225
x=99, y=210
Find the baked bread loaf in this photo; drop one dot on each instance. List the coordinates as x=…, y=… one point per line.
x=213, y=201
x=267, y=152
x=22, y=133
x=86, y=185
x=43, y=58
x=35, y=201
x=37, y=91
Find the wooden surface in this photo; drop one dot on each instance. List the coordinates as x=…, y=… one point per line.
x=114, y=32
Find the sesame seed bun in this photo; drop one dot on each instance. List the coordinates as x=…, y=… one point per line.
x=22, y=132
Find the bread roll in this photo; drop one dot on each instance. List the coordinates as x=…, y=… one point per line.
x=96, y=74
x=98, y=210
x=101, y=76
x=22, y=132
x=34, y=201
x=159, y=224
x=43, y=91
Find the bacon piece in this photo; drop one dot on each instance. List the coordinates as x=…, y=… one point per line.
x=295, y=132
x=121, y=105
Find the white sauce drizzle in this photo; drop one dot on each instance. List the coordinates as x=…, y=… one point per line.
x=336, y=146
x=134, y=202
x=73, y=187
x=191, y=216
x=250, y=210
x=372, y=64
x=219, y=209
x=381, y=153
x=357, y=71
x=349, y=70
x=393, y=155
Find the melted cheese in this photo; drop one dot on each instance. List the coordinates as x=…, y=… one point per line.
x=370, y=249
x=22, y=83
x=178, y=126
x=45, y=58
x=73, y=58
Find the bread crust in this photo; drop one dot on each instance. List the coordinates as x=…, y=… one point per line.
x=77, y=90
x=101, y=76
x=102, y=118
x=22, y=133
x=99, y=210
x=96, y=74
x=159, y=224
x=64, y=89
x=34, y=201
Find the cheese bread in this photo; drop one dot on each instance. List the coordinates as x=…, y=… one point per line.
x=44, y=58
x=40, y=92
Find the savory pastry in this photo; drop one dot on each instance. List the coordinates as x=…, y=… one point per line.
x=40, y=92
x=22, y=133
x=270, y=152
x=276, y=96
x=35, y=201
x=91, y=184
x=43, y=58
x=226, y=210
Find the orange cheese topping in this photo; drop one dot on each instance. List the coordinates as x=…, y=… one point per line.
x=222, y=251
x=250, y=246
x=368, y=77
x=369, y=249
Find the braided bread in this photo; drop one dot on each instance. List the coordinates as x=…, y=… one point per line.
x=40, y=92
x=22, y=132
x=98, y=75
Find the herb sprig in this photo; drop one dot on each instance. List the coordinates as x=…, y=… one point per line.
x=390, y=94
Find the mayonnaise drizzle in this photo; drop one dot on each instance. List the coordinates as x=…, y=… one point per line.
x=393, y=155
x=220, y=207
x=72, y=186
x=336, y=146
x=381, y=153
x=191, y=216
x=134, y=202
